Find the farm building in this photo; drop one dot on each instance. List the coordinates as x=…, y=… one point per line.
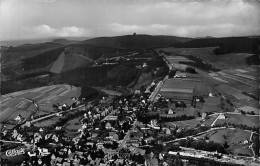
x=180, y=89
x=110, y=118
x=178, y=66
x=179, y=74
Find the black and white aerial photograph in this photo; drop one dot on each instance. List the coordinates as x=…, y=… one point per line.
x=129, y=82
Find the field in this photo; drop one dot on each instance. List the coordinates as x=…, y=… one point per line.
x=111, y=92
x=251, y=121
x=226, y=89
x=194, y=122
x=73, y=124
x=189, y=111
x=47, y=122
x=196, y=84
x=234, y=78
x=20, y=103
x=177, y=59
x=249, y=109
x=242, y=85
x=235, y=139
x=189, y=51
x=221, y=61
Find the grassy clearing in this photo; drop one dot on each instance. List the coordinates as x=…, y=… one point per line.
x=194, y=122
x=234, y=138
x=187, y=123
x=48, y=122
x=73, y=124
x=223, y=61
x=251, y=121
x=231, y=91
x=190, y=51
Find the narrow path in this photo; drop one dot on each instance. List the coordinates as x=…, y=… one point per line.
x=155, y=92
x=127, y=136
x=213, y=123
x=54, y=114
x=84, y=57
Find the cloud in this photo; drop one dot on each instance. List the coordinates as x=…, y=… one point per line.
x=44, y=29
x=46, y=1
x=70, y=31
x=125, y=28
x=192, y=18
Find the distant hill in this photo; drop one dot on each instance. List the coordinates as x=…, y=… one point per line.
x=30, y=47
x=13, y=55
x=65, y=41
x=23, y=61
x=226, y=45
x=41, y=57
x=15, y=43
x=136, y=41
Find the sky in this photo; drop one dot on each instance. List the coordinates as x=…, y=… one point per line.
x=30, y=19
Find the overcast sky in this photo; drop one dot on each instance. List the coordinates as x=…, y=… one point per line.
x=22, y=19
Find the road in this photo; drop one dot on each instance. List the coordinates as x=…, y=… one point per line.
x=54, y=114
x=127, y=136
x=15, y=142
x=204, y=132
x=213, y=123
x=155, y=92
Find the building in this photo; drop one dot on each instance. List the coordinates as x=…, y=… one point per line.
x=170, y=111
x=110, y=118
x=179, y=74
x=108, y=125
x=222, y=116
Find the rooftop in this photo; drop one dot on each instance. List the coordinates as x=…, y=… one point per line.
x=110, y=117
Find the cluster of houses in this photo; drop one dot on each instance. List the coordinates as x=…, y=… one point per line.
x=107, y=128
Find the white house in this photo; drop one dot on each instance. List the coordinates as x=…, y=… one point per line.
x=170, y=111
x=222, y=116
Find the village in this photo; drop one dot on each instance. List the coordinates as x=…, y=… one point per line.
x=143, y=127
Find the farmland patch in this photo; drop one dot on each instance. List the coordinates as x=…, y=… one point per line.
x=251, y=121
